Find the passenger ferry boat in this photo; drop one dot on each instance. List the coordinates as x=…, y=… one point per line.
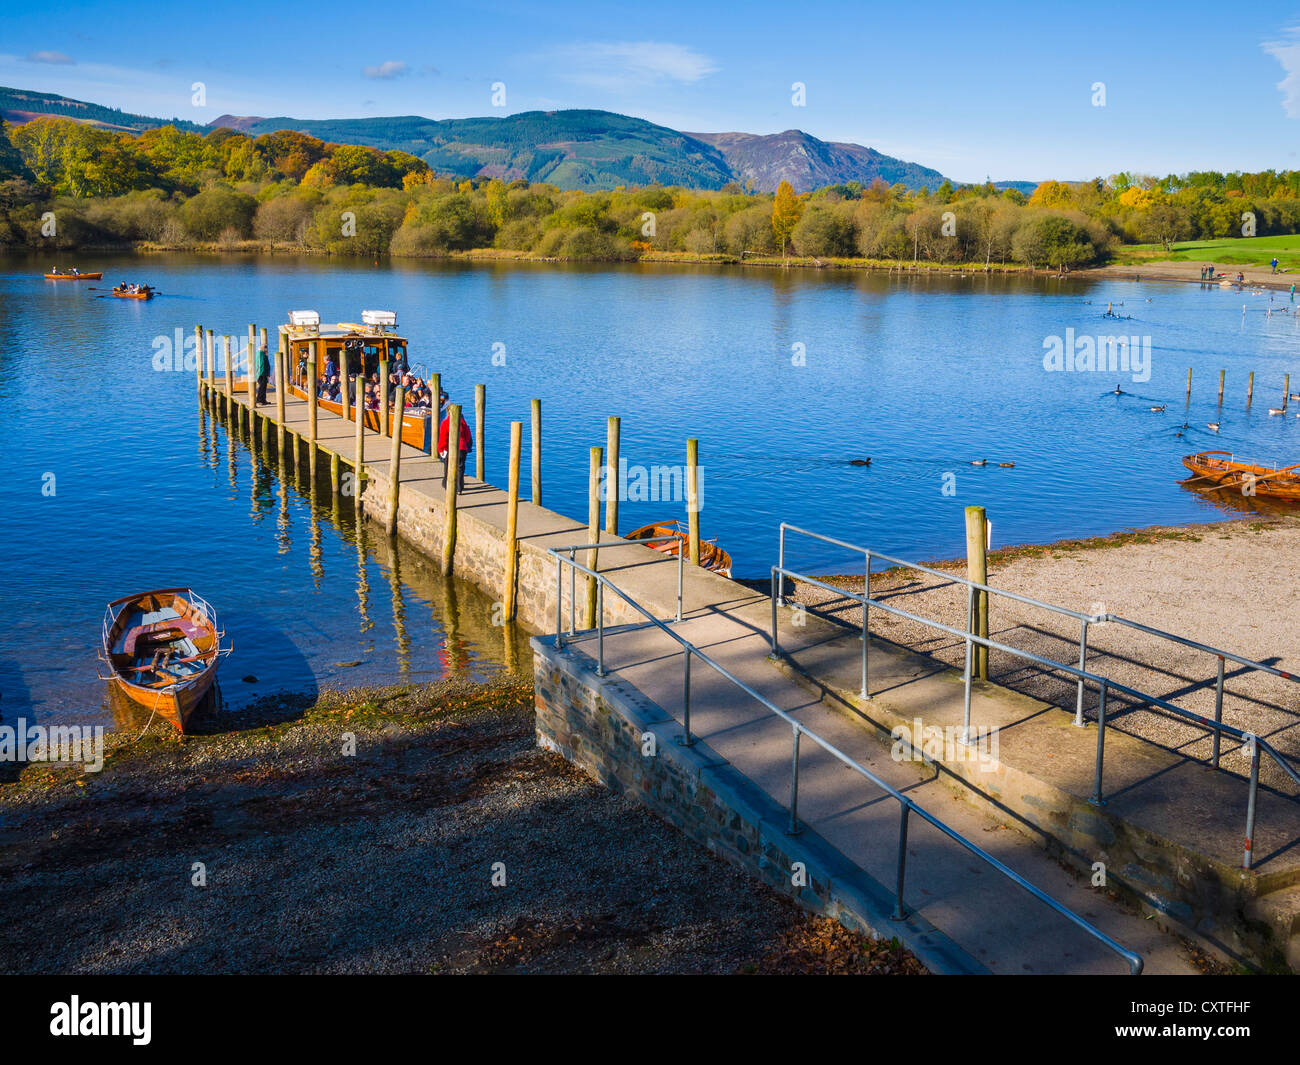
x=353, y=347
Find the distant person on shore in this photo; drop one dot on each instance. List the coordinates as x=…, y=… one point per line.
x=466, y=445
x=1274, y=264
x=263, y=375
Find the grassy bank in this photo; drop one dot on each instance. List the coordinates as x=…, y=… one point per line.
x=1233, y=251
x=379, y=861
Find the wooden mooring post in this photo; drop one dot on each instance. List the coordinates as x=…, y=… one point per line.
x=612, y=483
x=281, y=384
x=230, y=380
x=693, y=498
x=311, y=385
x=198, y=359
x=480, y=430
x=977, y=570
x=512, y=522
x=1221, y=376
x=1189, y=384
x=1250, y=388
x=1286, y=390
x=359, y=459
x=536, y=496
x=449, y=499
x=395, y=464
x=593, y=530
x=210, y=367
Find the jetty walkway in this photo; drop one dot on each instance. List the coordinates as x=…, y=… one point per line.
x=1168, y=839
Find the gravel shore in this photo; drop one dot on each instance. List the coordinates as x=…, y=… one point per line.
x=382, y=861
x=1230, y=585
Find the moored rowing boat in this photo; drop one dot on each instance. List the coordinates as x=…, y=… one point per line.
x=672, y=539
x=162, y=649
x=1223, y=471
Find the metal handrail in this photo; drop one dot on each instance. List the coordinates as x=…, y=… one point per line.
x=574, y=548
x=1252, y=743
x=906, y=805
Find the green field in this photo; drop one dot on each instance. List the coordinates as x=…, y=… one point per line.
x=1241, y=251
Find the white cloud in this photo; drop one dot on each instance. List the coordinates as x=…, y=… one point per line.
x=50, y=57
x=630, y=64
x=1288, y=54
x=392, y=68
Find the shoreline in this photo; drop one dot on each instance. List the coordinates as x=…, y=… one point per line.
x=316, y=861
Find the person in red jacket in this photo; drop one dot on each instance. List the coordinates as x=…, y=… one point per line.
x=466, y=445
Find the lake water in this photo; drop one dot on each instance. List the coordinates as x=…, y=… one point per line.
x=783, y=376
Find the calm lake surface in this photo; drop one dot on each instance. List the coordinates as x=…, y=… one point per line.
x=920, y=375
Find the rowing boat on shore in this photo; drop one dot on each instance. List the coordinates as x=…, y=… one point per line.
x=672, y=539
x=75, y=275
x=162, y=649
x=1223, y=471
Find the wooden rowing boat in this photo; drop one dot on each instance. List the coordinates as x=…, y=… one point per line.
x=143, y=293
x=162, y=649
x=1222, y=471
x=672, y=538
x=96, y=276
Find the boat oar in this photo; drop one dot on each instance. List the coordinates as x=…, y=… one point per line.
x=1264, y=477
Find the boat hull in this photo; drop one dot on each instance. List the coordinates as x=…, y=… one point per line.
x=1222, y=471
x=162, y=649
x=133, y=295
x=75, y=277
x=671, y=539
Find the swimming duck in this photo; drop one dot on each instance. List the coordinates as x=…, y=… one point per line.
x=979, y=462
x=1159, y=409
x=1214, y=426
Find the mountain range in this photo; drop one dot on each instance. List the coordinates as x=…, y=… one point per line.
x=572, y=149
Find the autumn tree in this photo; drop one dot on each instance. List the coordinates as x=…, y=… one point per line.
x=786, y=212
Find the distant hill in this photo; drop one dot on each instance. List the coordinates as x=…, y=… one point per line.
x=22, y=105
x=809, y=163
x=573, y=149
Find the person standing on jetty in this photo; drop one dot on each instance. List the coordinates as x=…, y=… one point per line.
x=263, y=375
x=466, y=445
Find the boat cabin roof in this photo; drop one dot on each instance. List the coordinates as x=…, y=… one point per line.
x=342, y=331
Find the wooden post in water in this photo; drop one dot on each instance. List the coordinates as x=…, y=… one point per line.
x=1250, y=388
x=536, y=497
x=1286, y=390
x=359, y=459
x=1221, y=373
x=281, y=388
x=395, y=464
x=480, y=429
x=593, y=530
x=385, y=426
x=512, y=521
x=230, y=380
x=693, y=498
x=612, y=483
x=198, y=359
x=310, y=384
x=1189, y=384
x=210, y=367
x=449, y=499
x=977, y=570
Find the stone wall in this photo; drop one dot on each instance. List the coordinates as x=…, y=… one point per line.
x=628, y=743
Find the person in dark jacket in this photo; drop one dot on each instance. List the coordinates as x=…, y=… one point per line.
x=466, y=445
x=263, y=374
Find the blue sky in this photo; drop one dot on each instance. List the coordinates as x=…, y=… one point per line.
x=973, y=90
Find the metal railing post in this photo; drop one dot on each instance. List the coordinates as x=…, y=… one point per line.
x=1218, y=717
x=970, y=624
x=681, y=566
x=776, y=650
x=687, y=739
x=1096, y=799
x=573, y=594
x=559, y=602
x=866, y=595
x=1248, y=857
x=780, y=562
x=900, y=912
x=600, y=628
x=1083, y=657
x=794, y=785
